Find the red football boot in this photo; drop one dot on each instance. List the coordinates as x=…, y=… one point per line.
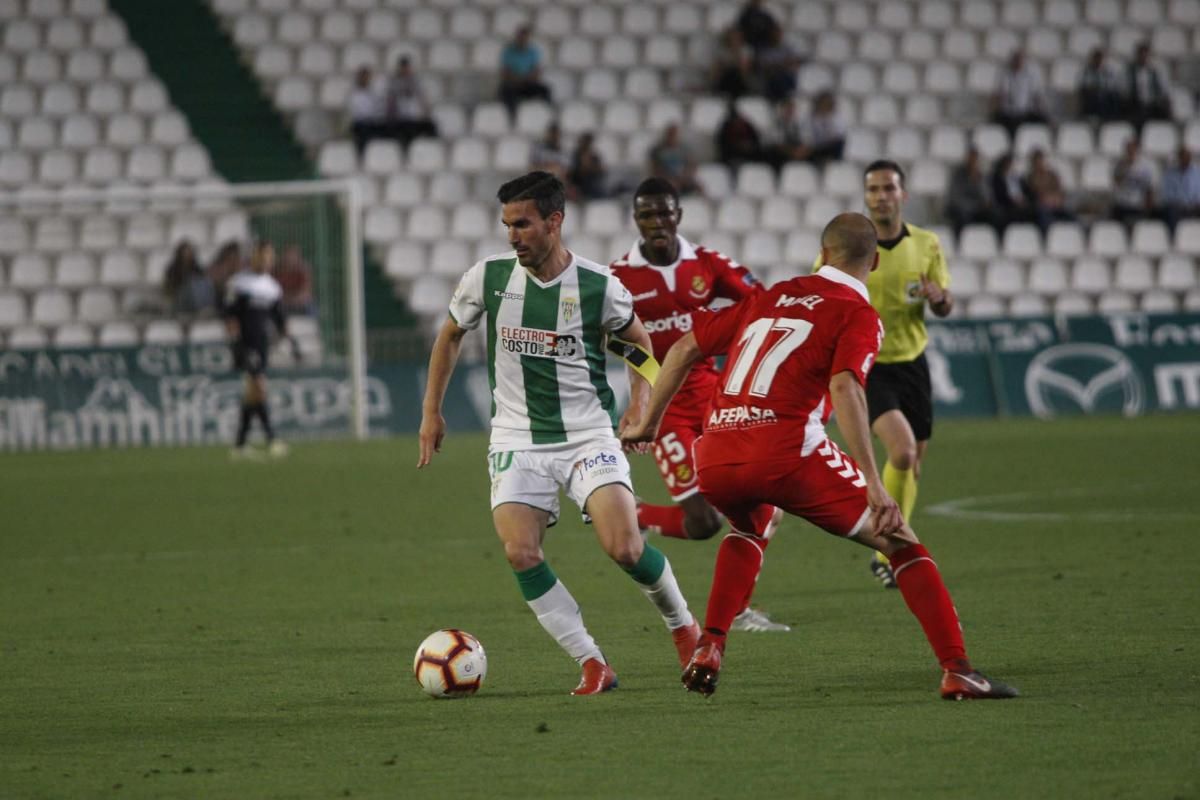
x=701, y=673
x=597, y=677
x=686, y=639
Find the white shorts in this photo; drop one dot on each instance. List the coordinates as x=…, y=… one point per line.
x=533, y=477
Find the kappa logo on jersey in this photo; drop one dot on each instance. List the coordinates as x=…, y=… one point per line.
x=699, y=287
x=809, y=301
x=650, y=295
x=569, y=306
x=538, y=343
x=509, y=295
x=740, y=415
x=679, y=321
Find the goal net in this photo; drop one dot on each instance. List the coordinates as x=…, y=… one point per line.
x=84, y=272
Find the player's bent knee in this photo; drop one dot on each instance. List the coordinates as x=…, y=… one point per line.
x=626, y=554
x=521, y=556
x=903, y=457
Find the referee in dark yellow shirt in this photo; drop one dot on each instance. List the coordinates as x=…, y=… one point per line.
x=912, y=274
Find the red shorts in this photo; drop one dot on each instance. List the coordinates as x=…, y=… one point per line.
x=826, y=488
x=673, y=452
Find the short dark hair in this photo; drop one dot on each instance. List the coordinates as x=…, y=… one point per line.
x=545, y=190
x=653, y=186
x=884, y=163
x=851, y=236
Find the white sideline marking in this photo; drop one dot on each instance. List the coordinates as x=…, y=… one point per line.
x=968, y=508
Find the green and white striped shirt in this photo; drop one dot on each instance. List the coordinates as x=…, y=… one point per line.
x=545, y=345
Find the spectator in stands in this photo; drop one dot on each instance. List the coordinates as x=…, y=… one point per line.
x=1133, y=185
x=186, y=285
x=1099, y=88
x=408, y=112
x=1181, y=189
x=548, y=155
x=1046, y=191
x=825, y=134
x=366, y=109
x=756, y=23
x=968, y=197
x=588, y=174
x=776, y=64
x=521, y=71
x=1014, y=201
x=1019, y=97
x=1148, y=95
x=732, y=70
x=738, y=141
x=789, y=130
x=672, y=160
x=226, y=264
x=294, y=275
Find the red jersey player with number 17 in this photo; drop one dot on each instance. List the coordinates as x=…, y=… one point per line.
x=796, y=352
x=670, y=278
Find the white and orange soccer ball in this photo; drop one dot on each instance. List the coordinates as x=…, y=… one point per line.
x=450, y=663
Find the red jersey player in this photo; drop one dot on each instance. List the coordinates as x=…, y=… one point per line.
x=796, y=352
x=670, y=278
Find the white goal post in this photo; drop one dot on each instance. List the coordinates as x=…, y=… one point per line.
x=322, y=218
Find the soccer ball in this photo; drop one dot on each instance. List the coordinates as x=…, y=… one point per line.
x=450, y=663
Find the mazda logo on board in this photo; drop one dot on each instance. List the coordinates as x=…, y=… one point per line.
x=1069, y=378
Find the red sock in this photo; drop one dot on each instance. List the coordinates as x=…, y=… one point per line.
x=927, y=598
x=739, y=560
x=664, y=520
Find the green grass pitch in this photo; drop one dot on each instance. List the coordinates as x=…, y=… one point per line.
x=173, y=625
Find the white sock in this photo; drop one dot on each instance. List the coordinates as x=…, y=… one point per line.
x=559, y=614
x=668, y=599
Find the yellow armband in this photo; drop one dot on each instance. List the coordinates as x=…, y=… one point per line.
x=635, y=356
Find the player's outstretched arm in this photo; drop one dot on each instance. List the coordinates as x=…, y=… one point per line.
x=850, y=405
x=441, y=366
x=675, y=368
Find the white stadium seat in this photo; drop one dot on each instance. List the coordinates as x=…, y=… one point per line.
x=118, y=333
x=28, y=337
x=1028, y=305
x=1134, y=274
x=52, y=307
x=30, y=271
x=1107, y=239
x=1177, y=273
x=1090, y=275
x=1047, y=276
x=1022, y=241
x=1003, y=278
x=405, y=260
x=978, y=242
x=1073, y=304
x=97, y=304
x=163, y=332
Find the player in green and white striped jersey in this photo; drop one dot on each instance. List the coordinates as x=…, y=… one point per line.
x=546, y=313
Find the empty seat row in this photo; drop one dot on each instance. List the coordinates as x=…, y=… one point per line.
x=101, y=99
x=125, y=333
x=83, y=66
x=144, y=164
x=63, y=34
x=105, y=234
x=78, y=132
x=1114, y=301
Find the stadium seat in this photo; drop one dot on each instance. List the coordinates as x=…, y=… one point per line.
x=798, y=179
x=661, y=113
x=118, y=268
x=820, y=210
x=779, y=214
x=1157, y=301
x=1048, y=276
x=163, y=332
x=603, y=218
x=1022, y=241
x=41, y=68
x=697, y=216
x=316, y=60
x=1113, y=136
x=1177, y=273
x=189, y=163
x=843, y=179
x=761, y=248
x=833, y=47
x=382, y=157
x=1115, y=302
x=450, y=258
x=622, y=117
x=146, y=164
x=1134, y=274
x=967, y=279
x=52, y=307
x=169, y=128
x=552, y=22
x=30, y=271
x=816, y=77
x=148, y=97
x=619, y=53
x=382, y=225
x=1096, y=175
x=99, y=233
x=978, y=242
x=715, y=179
x=118, y=334
x=808, y=17
x=145, y=232
x=212, y=331
x=17, y=101
x=801, y=249
x=927, y=177
x=880, y=111
x=13, y=310
x=1032, y=137
x=80, y=132
x=28, y=337
x=512, y=154
x=962, y=46
x=755, y=180
x=850, y=16
x=597, y=86
x=406, y=260
x=448, y=188
x=57, y=168
x=901, y=79
x=948, y=144
x=1090, y=275
x=60, y=100
x=1191, y=300
x=53, y=234
x=1062, y=14
x=429, y=295
x=1160, y=139
x=36, y=133
x=991, y=140
x=75, y=270
x=1107, y=239
x=998, y=44
x=1150, y=238
x=684, y=20
x=1003, y=278
x=985, y=306
x=97, y=305
x=859, y=80
x=73, y=335
x=706, y=115
x=1073, y=304
x=426, y=224
x=470, y=155
x=490, y=120
x=1028, y=305
x=473, y=221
